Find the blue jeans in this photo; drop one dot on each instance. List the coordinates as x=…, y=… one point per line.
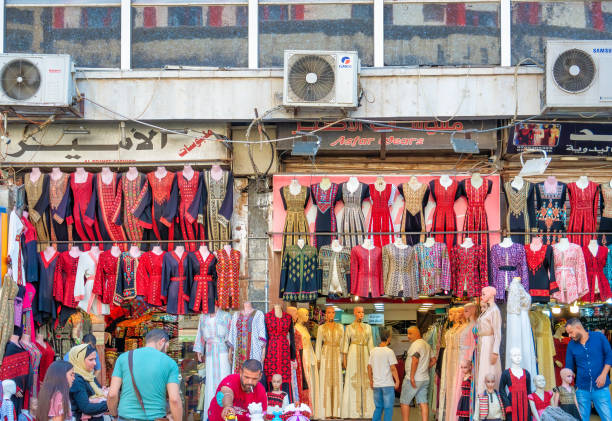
x=384, y=397
x=601, y=400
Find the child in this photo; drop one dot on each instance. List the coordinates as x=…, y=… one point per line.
x=277, y=399
x=565, y=395
x=463, y=408
x=383, y=377
x=489, y=405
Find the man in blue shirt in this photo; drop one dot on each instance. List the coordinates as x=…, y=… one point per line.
x=590, y=356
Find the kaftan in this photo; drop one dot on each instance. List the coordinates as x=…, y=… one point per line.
x=327, y=351
x=448, y=384
x=444, y=217
x=520, y=210
x=8, y=292
x=325, y=221
x=366, y=272
x=125, y=287
x=334, y=270
x=14, y=248
x=81, y=194
x=434, y=268
x=353, y=221
x=175, y=282
x=218, y=199
x=550, y=212
x=400, y=271
x=60, y=207
x=599, y=287
x=488, y=328
x=545, y=346
x=515, y=398
x=570, y=273
x=190, y=206
x=104, y=210
x=311, y=372
x=295, y=221
x=469, y=270
x=466, y=347
x=131, y=191
x=542, y=283
x=605, y=223
x=84, y=283
x=228, y=283
x=45, y=306
x=203, y=282
x=280, y=349
x=413, y=217
x=583, y=211
x=35, y=357
x=37, y=194
x=211, y=340
x=29, y=240
x=358, y=398
x=380, y=214
x=476, y=214
x=106, y=276
x=247, y=337
x=64, y=280
x=149, y=277
x=506, y=263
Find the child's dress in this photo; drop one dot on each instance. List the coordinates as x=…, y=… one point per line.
x=277, y=401
x=541, y=404
x=567, y=400
x=463, y=407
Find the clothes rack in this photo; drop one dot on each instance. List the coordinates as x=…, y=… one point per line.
x=235, y=240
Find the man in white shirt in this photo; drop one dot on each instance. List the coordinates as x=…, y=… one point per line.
x=383, y=377
x=416, y=381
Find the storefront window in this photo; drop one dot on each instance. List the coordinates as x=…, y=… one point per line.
x=535, y=22
x=202, y=35
x=315, y=27
x=91, y=35
x=442, y=34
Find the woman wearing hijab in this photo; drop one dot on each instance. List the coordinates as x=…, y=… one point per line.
x=86, y=396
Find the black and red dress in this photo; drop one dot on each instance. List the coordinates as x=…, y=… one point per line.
x=513, y=392
x=190, y=206
x=149, y=277
x=280, y=350
x=325, y=221
x=175, y=282
x=106, y=277
x=463, y=407
x=203, y=282
x=583, y=212
x=65, y=279
x=105, y=210
x=444, y=217
x=81, y=194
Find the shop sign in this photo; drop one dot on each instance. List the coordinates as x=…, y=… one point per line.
x=109, y=143
x=582, y=139
x=408, y=136
x=376, y=318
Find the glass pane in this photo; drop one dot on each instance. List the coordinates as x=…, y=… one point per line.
x=189, y=36
x=91, y=35
x=315, y=27
x=442, y=34
x=535, y=22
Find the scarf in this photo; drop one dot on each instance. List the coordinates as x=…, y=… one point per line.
x=76, y=356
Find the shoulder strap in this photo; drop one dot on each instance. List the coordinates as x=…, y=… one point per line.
x=136, y=391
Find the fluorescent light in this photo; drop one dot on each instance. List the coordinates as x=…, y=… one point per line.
x=423, y=309
x=574, y=309
x=426, y=304
x=556, y=310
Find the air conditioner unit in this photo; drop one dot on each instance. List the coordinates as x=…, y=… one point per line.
x=578, y=75
x=37, y=84
x=321, y=79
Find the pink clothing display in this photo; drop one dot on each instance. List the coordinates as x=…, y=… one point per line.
x=570, y=273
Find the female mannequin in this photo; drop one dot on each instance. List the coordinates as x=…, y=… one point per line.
x=453, y=382
x=514, y=386
x=488, y=328
x=327, y=350
x=540, y=399
x=299, y=387
x=309, y=362
x=449, y=364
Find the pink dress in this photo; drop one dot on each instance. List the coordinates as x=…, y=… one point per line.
x=570, y=273
x=540, y=404
x=380, y=216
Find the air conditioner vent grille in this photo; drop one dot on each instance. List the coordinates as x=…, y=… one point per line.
x=574, y=71
x=312, y=78
x=20, y=79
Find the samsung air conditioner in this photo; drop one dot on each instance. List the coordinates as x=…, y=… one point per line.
x=37, y=84
x=321, y=79
x=578, y=76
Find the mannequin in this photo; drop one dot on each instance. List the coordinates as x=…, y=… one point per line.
x=80, y=175
x=536, y=243
x=414, y=183
x=445, y=181
x=301, y=243
x=56, y=173
x=565, y=395
x=247, y=336
x=132, y=173
x=582, y=182
x=593, y=247
x=106, y=175
x=447, y=404
x=367, y=244
x=135, y=252
x=563, y=244
x=280, y=348
x=218, y=200
x=336, y=246
x=160, y=172
x=295, y=187
x=327, y=350
x=179, y=250
x=399, y=243
x=309, y=362
x=540, y=399
x=550, y=184
x=157, y=250
x=353, y=184
x=429, y=242
x=517, y=182
x=74, y=252
x=380, y=183
x=514, y=387
x=357, y=399
x=9, y=388
x=325, y=183
x=476, y=180
x=35, y=175
x=115, y=250
x=188, y=172
x=467, y=243
x=216, y=172
x=488, y=328
x=467, y=345
x=205, y=252
x=506, y=242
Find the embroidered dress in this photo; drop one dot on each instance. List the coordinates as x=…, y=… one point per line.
x=37, y=197
x=506, y=263
x=29, y=240
x=45, y=310
x=413, y=218
x=149, y=277
x=211, y=341
x=175, y=282
x=567, y=400
x=400, y=271
x=84, y=283
x=335, y=271
x=434, y=268
x=583, y=212
x=299, y=387
x=15, y=254
x=81, y=196
x=60, y=209
x=299, y=280
x=518, y=327
x=295, y=220
x=228, y=273
x=463, y=407
x=311, y=372
x=358, y=398
x=8, y=292
x=48, y=356
x=190, y=206
x=327, y=351
x=35, y=357
x=106, y=277
x=380, y=214
x=541, y=265
x=513, y=392
x=131, y=190
x=541, y=404
x=476, y=214
x=599, y=287
x=469, y=268
x=281, y=348
x=16, y=366
x=366, y=272
x=203, y=286
x=353, y=220
x=520, y=209
x=125, y=287
x=444, y=217
x=218, y=198
x=570, y=273
x=551, y=214
x=325, y=221
x=247, y=337
x=605, y=222
x=64, y=280
x=105, y=209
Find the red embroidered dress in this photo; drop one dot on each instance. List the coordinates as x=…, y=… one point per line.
x=297, y=383
x=515, y=399
x=281, y=347
x=203, y=279
x=541, y=266
x=583, y=212
x=81, y=196
x=149, y=277
x=366, y=272
x=190, y=206
x=125, y=287
x=131, y=190
x=228, y=272
x=105, y=208
x=599, y=287
x=469, y=270
x=106, y=277
x=380, y=214
x=65, y=279
x=475, y=214
x=444, y=217
x=540, y=404
x=60, y=207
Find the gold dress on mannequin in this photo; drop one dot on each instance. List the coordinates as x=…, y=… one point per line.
x=311, y=373
x=329, y=344
x=450, y=362
x=358, y=397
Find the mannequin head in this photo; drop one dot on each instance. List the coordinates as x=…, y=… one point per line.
x=490, y=382
x=567, y=376
x=540, y=381
x=471, y=311
x=413, y=333
x=9, y=388
x=460, y=315
x=466, y=367
x=302, y=315
x=277, y=381
x=292, y=311
x=452, y=314
x=359, y=314
x=516, y=356
x=488, y=295
x=330, y=314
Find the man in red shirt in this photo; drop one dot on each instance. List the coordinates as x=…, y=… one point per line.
x=237, y=391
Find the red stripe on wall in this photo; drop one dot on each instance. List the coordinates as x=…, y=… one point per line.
x=58, y=17
x=149, y=16
x=215, y=15
x=298, y=12
x=597, y=16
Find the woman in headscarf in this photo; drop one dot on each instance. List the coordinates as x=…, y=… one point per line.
x=86, y=395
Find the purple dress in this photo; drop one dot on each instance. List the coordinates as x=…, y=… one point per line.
x=506, y=263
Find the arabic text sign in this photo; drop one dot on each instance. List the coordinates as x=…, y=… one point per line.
x=589, y=139
x=410, y=135
x=106, y=143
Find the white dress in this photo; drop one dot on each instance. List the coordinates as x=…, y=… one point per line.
x=211, y=340
x=518, y=331
x=83, y=285
x=14, y=248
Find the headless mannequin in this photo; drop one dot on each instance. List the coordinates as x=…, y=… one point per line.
x=359, y=314
x=188, y=172
x=80, y=175
x=74, y=251
x=583, y=182
x=517, y=183
x=414, y=183
x=95, y=250
x=507, y=242
x=204, y=252
x=300, y=243
x=180, y=250
x=131, y=173
x=295, y=187
x=563, y=244
x=540, y=384
x=399, y=243
x=49, y=251
x=429, y=242
x=160, y=172
x=157, y=250
x=476, y=180
x=56, y=174
x=445, y=181
x=107, y=175
x=368, y=244
x=325, y=183
x=115, y=251
x=353, y=184
x=35, y=175
x=380, y=183
x=593, y=247
x=550, y=185
x=335, y=245
x=216, y=172
x=536, y=244
x=467, y=243
x=135, y=252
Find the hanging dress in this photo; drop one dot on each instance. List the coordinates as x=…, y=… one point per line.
x=353, y=220
x=605, y=222
x=357, y=399
x=476, y=214
x=60, y=208
x=149, y=277
x=380, y=214
x=583, y=212
x=84, y=283
x=570, y=273
x=218, y=198
x=434, y=270
x=444, y=217
x=295, y=220
x=520, y=209
x=311, y=371
x=105, y=209
x=542, y=283
x=203, y=273
x=247, y=337
x=413, y=218
x=506, y=263
x=37, y=197
x=400, y=271
x=131, y=191
x=325, y=221
x=327, y=350
x=469, y=268
x=81, y=193
x=551, y=213
x=599, y=287
x=228, y=284
x=545, y=346
x=190, y=206
x=281, y=348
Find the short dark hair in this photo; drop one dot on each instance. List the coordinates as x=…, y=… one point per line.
x=89, y=339
x=574, y=321
x=156, y=335
x=252, y=365
x=385, y=334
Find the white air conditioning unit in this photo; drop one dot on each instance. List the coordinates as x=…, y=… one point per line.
x=36, y=83
x=321, y=79
x=578, y=75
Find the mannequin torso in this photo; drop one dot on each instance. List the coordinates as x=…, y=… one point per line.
x=295, y=187
x=517, y=182
x=80, y=175
x=353, y=184
x=445, y=181
x=132, y=173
